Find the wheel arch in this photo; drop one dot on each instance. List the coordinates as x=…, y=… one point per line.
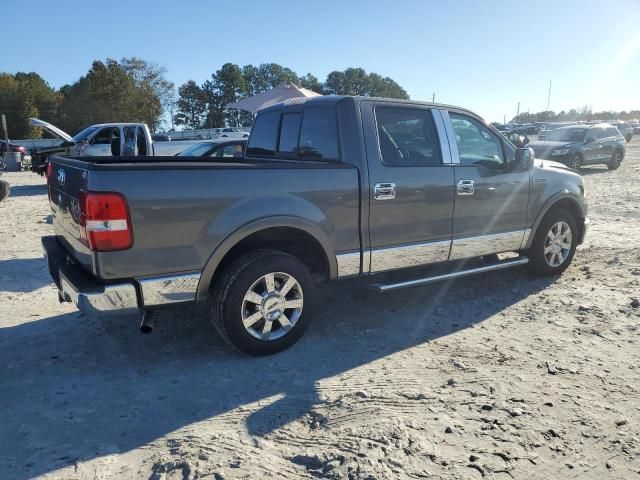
x=566, y=200
x=309, y=244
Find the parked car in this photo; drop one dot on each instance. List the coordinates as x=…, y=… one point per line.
x=223, y=148
x=160, y=137
x=25, y=156
x=580, y=145
x=330, y=187
x=626, y=130
x=105, y=139
x=231, y=132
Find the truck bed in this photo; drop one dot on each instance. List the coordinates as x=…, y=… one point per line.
x=181, y=210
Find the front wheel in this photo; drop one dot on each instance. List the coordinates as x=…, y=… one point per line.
x=615, y=161
x=576, y=161
x=554, y=244
x=263, y=302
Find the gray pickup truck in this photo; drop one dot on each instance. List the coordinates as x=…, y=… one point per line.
x=329, y=188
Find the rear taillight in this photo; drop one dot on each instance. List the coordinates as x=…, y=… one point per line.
x=104, y=221
x=49, y=171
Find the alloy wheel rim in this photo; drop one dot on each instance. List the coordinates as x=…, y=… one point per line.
x=575, y=163
x=557, y=245
x=617, y=159
x=272, y=306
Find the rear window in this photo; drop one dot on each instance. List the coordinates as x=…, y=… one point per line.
x=319, y=134
x=289, y=129
x=612, y=131
x=264, y=135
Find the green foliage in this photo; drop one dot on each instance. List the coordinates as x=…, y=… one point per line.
x=133, y=90
x=26, y=95
x=232, y=82
x=192, y=105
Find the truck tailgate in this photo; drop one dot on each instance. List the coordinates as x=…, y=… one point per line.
x=67, y=182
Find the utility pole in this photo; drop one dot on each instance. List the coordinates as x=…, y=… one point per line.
x=518, y=111
x=433, y=98
x=549, y=96
x=6, y=133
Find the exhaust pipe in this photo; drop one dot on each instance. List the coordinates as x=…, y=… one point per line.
x=146, y=324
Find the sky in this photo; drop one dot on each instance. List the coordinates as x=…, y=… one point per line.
x=487, y=55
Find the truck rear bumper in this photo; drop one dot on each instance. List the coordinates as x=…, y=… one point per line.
x=77, y=286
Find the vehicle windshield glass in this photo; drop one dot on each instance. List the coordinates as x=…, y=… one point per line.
x=567, y=135
x=82, y=135
x=197, y=150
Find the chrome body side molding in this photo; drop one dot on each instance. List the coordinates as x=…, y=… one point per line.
x=486, y=244
x=348, y=264
x=158, y=291
x=393, y=258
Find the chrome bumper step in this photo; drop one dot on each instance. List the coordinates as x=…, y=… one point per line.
x=499, y=265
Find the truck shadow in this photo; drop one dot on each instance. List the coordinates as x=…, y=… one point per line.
x=28, y=190
x=76, y=388
x=23, y=274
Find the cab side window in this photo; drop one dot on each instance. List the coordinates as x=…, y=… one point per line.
x=477, y=144
x=318, y=134
x=264, y=135
x=407, y=137
x=593, y=135
x=102, y=137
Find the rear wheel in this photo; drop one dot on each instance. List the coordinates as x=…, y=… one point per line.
x=575, y=161
x=263, y=302
x=5, y=190
x=616, y=160
x=554, y=244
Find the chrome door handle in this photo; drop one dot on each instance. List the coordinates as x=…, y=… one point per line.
x=384, y=191
x=465, y=187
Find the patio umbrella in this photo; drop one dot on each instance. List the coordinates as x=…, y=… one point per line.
x=271, y=97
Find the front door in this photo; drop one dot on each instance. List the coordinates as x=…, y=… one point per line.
x=592, y=146
x=490, y=213
x=410, y=186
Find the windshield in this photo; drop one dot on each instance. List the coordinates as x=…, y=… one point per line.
x=197, y=150
x=567, y=135
x=82, y=135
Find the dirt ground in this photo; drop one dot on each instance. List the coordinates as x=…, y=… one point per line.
x=500, y=376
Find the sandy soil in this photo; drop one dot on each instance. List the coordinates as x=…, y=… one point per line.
x=499, y=376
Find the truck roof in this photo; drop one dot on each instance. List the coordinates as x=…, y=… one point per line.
x=332, y=100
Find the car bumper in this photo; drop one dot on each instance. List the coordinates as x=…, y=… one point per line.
x=77, y=286
x=96, y=298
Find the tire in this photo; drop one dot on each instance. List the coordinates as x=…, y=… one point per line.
x=5, y=190
x=575, y=161
x=616, y=160
x=246, y=276
x=628, y=138
x=543, y=264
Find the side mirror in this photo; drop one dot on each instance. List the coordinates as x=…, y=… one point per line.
x=524, y=158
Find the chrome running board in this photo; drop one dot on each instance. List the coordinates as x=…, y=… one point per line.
x=507, y=263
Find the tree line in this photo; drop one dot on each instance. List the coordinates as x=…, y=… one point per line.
x=584, y=113
x=133, y=90
x=205, y=106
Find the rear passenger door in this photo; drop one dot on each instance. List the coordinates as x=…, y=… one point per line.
x=492, y=193
x=592, y=146
x=410, y=186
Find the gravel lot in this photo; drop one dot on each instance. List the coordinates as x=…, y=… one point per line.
x=498, y=376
